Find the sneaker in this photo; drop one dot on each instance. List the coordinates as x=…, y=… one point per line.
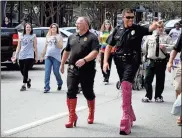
x=23, y=88
x=159, y=99
x=59, y=88
x=46, y=91
x=29, y=83
x=106, y=82
x=146, y=100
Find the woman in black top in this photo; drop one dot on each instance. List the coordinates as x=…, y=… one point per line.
x=6, y=22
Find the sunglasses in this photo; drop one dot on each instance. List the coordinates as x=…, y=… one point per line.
x=129, y=17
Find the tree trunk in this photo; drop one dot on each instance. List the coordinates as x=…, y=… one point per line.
x=46, y=21
x=42, y=11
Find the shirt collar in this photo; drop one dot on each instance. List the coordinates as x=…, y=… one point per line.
x=83, y=34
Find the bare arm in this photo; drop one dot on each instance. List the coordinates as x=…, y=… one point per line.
x=154, y=26
x=99, y=38
x=107, y=53
x=18, y=48
x=92, y=55
x=44, y=51
x=59, y=42
x=35, y=47
x=170, y=33
x=65, y=57
x=172, y=56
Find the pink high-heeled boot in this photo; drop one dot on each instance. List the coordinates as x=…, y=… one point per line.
x=125, y=125
x=132, y=115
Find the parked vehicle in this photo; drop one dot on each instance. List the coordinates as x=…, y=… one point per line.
x=171, y=24
x=73, y=30
x=70, y=29
x=9, y=42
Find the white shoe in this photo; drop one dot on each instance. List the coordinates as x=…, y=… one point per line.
x=106, y=83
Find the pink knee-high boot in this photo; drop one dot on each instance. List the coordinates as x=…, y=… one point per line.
x=132, y=115
x=126, y=122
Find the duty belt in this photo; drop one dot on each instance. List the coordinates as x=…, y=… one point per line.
x=72, y=67
x=126, y=57
x=157, y=60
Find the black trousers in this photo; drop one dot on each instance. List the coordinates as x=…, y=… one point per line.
x=158, y=69
x=85, y=78
x=126, y=69
x=25, y=65
x=106, y=76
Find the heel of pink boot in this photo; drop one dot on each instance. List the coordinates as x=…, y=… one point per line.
x=125, y=127
x=133, y=117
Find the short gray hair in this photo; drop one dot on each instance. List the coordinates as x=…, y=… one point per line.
x=86, y=20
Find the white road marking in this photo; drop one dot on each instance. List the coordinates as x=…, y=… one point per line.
x=39, y=122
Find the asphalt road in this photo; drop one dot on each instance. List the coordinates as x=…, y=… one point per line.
x=21, y=109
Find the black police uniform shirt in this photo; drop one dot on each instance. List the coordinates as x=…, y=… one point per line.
x=128, y=40
x=178, y=46
x=81, y=46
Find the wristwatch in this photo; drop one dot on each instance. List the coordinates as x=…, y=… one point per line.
x=85, y=60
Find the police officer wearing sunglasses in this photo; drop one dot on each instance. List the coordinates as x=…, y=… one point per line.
x=127, y=39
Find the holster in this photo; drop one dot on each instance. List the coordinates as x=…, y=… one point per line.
x=73, y=69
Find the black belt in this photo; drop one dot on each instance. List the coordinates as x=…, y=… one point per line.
x=158, y=60
x=125, y=57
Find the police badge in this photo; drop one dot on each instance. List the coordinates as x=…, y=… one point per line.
x=132, y=32
x=85, y=39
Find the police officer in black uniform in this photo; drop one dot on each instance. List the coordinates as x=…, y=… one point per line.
x=127, y=39
x=83, y=48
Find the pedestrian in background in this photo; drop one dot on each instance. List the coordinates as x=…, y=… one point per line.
x=6, y=22
x=127, y=41
x=27, y=46
x=177, y=81
x=83, y=48
x=52, y=53
x=175, y=32
x=105, y=31
x=155, y=50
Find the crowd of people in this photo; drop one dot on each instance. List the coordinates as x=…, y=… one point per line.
x=121, y=44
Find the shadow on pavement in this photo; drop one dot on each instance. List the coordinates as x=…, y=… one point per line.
x=3, y=68
x=36, y=67
x=7, y=77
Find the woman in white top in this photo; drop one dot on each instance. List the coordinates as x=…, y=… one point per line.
x=175, y=32
x=52, y=53
x=27, y=45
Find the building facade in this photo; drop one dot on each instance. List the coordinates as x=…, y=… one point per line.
x=39, y=13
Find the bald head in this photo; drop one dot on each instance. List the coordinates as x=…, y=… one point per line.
x=82, y=25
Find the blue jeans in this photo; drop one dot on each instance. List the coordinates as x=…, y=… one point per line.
x=49, y=62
